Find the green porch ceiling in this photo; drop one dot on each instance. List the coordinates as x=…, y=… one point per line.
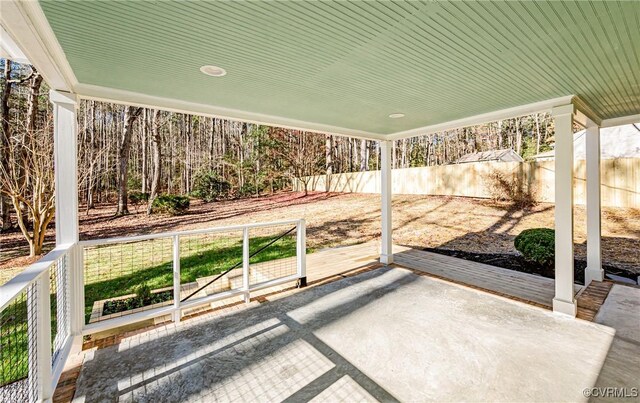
x=351, y=64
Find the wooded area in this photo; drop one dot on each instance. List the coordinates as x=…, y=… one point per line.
x=132, y=155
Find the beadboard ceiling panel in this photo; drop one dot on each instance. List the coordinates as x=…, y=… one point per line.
x=351, y=64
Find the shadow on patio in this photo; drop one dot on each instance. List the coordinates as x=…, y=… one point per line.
x=258, y=353
x=386, y=335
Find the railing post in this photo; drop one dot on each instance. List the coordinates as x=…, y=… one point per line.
x=245, y=264
x=177, y=314
x=39, y=317
x=301, y=253
x=75, y=261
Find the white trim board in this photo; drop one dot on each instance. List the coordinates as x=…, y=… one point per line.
x=28, y=27
x=98, y=93
x=536, y=107
x=623, y=120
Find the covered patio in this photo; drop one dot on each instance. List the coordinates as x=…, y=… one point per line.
x=380, y=71
x=341, y=342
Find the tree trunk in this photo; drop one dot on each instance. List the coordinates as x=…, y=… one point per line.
x=5, y=203
x=363, y=155
x=145, y=135
x=32, y=116
x=92, y=150
x=130, y=115
x=156, y=141
x=537, y=135
x=518, y=137
x=328, y=155
x=32, y=103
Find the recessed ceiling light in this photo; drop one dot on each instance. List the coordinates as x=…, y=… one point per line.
x=213, y=71
x=396, y=115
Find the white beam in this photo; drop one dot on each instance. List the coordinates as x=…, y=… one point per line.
x=521, y=110
x=9, y=49
x=386, y=252
x=623, y=120
x=594, y=255
x=564, y=301
x=584, y=114
x=30, y=31
x=106, y=94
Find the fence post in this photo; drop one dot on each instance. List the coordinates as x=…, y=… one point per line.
x=301, y=253
x=245, y=264
x=39, y=318
x=177, y=314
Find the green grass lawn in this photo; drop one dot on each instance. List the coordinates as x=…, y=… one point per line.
x=14, y=338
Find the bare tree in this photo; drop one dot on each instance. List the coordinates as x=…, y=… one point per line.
x=28, y=177
x=302, y=153
x=130, y=115
x=5, y=203
x=156, y=142
x=364, y=158
x=328, y=161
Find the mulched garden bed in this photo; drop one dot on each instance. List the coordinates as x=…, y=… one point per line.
x=518, y=263
x=120, y=305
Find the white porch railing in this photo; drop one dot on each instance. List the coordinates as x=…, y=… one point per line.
x=43, y=308
x=119, y=264
x=35, y=328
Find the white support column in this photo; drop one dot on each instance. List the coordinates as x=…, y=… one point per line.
x=564, y=301
x=594, y=271
x=65, y=131
x=386, y=252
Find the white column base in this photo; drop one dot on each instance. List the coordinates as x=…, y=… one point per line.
x=386, y=259
x=76, y=345
x=593, y=275
x=565, y=307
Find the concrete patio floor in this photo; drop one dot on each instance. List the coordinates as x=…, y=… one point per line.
x=387, y=335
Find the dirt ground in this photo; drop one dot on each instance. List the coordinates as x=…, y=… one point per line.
x=473, y=225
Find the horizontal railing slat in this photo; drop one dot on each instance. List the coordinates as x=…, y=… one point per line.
x=17, y=284
x=94, y=242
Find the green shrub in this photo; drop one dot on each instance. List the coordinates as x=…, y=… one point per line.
x=208, y=186
x=143, y=292
x=138, y=197
x=537, y=245
x=170, y=204
x=250, y=189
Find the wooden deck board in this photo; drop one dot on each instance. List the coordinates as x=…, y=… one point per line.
x=329, y=263
x=333, y=262
x=523, y=286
